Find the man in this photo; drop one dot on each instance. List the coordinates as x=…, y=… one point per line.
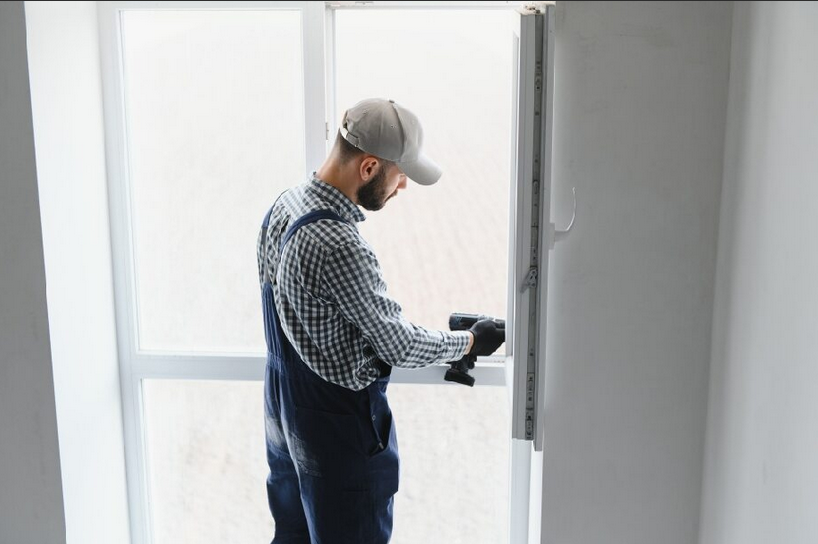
x=333, y=336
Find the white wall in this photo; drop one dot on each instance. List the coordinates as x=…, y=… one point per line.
x=31, y=505
x=640, y=109
x=66, y=99
x=761, y=477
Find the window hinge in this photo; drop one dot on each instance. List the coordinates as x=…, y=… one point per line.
x=326, y=130
x=530, y=279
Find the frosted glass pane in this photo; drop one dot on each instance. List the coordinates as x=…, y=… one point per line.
x=206, y=461
x=215, y=124
x=443, y=248
x=207, y=471
x=454, y=448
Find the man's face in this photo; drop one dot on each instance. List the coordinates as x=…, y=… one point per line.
x=381, y=187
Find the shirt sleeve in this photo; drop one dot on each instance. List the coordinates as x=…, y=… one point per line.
x=353, y=279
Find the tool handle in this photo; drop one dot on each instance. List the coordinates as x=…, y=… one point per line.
x=463, y=322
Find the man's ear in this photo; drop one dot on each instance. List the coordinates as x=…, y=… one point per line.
x=369, y=167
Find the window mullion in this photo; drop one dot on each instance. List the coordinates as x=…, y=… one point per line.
x=199, y=367
x=330, y=52
x=315, y=84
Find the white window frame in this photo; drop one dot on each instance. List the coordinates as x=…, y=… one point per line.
x=318, y=22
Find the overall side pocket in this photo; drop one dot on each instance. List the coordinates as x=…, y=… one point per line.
x=327, y=445
x=381, y=421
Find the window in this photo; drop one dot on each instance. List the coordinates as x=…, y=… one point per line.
x=212, y=109
x=443, y=248
x=205, y=453
x=215, y=122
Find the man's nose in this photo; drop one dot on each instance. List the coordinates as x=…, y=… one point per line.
x=402, y=183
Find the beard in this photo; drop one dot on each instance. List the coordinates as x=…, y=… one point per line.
x=373, y=195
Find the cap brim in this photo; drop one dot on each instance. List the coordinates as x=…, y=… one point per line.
x=423, y=171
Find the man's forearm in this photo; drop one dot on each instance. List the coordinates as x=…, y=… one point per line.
x=430, y=347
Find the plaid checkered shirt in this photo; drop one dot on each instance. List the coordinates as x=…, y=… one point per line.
x=331, y=297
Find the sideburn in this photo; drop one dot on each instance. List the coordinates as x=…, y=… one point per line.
x=372, y=195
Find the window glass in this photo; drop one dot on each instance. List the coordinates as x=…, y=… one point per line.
x=454, y=447
x=205, y=452
x=443, y=248
x=215, y=125
x=206, y=461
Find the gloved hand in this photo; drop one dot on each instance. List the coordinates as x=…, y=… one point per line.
x=487, y=337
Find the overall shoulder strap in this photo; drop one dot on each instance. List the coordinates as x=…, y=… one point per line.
x=306, y=219
x=264, y=226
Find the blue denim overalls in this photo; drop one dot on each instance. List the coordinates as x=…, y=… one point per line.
x=332, y=451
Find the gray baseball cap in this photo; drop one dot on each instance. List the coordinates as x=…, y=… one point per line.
x=388, y=130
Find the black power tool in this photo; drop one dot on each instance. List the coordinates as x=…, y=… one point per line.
x=459, y=371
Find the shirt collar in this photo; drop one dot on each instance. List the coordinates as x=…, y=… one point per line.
x=348, y=209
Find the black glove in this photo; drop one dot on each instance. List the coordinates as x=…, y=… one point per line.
x=487, y=337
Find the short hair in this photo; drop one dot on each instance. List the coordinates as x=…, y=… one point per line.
x=348, y=152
